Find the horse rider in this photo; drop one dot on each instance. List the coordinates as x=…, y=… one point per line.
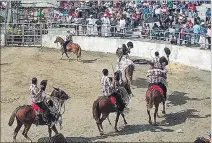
x=109, y=87
x=157, y=76
x=120, y=90
x=129, y=46
x=156, y=60
x=37, y=97
x=68, y=39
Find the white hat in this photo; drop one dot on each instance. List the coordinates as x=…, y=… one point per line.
x=202, y=23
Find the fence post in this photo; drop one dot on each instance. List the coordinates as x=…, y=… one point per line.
x=41, y=35
x=22, y=33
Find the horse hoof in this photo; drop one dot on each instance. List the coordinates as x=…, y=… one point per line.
x=155, y=124
x=101, y=134
x=164, y=112
x=150, y=122
x=116, y=130
x=125, y=123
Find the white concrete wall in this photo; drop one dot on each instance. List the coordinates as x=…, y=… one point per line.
x=2, y=39
x=188, y=56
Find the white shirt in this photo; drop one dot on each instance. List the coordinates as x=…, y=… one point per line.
x=122, y=23
x=157, y=11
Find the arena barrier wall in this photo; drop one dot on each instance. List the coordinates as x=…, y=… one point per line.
x=188, y=56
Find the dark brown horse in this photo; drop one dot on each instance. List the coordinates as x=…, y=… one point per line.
x=26, y=115
x=154, y=97
x=103, y=106
x=71, y=47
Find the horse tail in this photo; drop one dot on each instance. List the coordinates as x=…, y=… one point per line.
x=12, y=118
x=151, y=99
x=79, y=51
x=96, y=111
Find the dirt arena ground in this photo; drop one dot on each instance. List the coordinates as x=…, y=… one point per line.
x=188, y=106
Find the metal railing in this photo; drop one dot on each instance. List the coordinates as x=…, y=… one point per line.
x=31, y=34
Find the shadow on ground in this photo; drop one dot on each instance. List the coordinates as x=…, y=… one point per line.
x=179, y=98
x=128, y=129
x=140, y=83
x=89, y=61
x=180, y=117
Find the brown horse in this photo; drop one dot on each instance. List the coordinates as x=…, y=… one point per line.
x=154, y=97
x=103, y=106
x=26, y=115
x=71, y=47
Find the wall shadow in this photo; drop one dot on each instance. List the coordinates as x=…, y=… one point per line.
x=179, y=98
x=140, y=83
x=88, y=61
x=180, y=117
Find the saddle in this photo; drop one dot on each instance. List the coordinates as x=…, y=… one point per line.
x=158, y=88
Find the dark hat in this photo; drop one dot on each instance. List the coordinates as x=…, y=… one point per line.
x=163, y=59
x=43, y=84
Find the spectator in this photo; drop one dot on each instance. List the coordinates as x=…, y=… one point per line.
x=202, y=36
x=84, y=23
x=91, y=23
x=122, y=24
x=113, y=28
x=106, y=24
x=208, y=15
x=99, y=26
x=196, y=31
x=173, y=40
x=209, y=36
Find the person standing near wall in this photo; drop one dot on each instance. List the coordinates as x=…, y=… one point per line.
x=209, y=36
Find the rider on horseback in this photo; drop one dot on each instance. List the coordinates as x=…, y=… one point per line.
x=156, y=62
x=68, y=39
x=157, y=77
x=107, y=87
x=130, y=46
x=37, y=97
x=119, y=66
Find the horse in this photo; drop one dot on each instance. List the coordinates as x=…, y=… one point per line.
x=26, y=115
x=105, y=105
x=154, y=96
x=71, y=47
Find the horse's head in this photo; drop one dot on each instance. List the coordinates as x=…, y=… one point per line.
x=151, y=65
x=57, y=40
x=59, y=93
x=119, y=52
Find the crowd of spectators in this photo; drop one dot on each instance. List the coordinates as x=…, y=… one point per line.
x=175, y=21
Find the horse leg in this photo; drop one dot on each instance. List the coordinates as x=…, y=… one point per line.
x=100, y=131
x=27, y=127
x=148, y=112
x=67, y=56
x=18, y=127
x=109, y=120
x=50, y=131
x=117, y=118
x=104, y=116
x=55, y=130
x=164, y=110
x=127, y=76
x=155, y=114
x=62, y=55
x=125, y=122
